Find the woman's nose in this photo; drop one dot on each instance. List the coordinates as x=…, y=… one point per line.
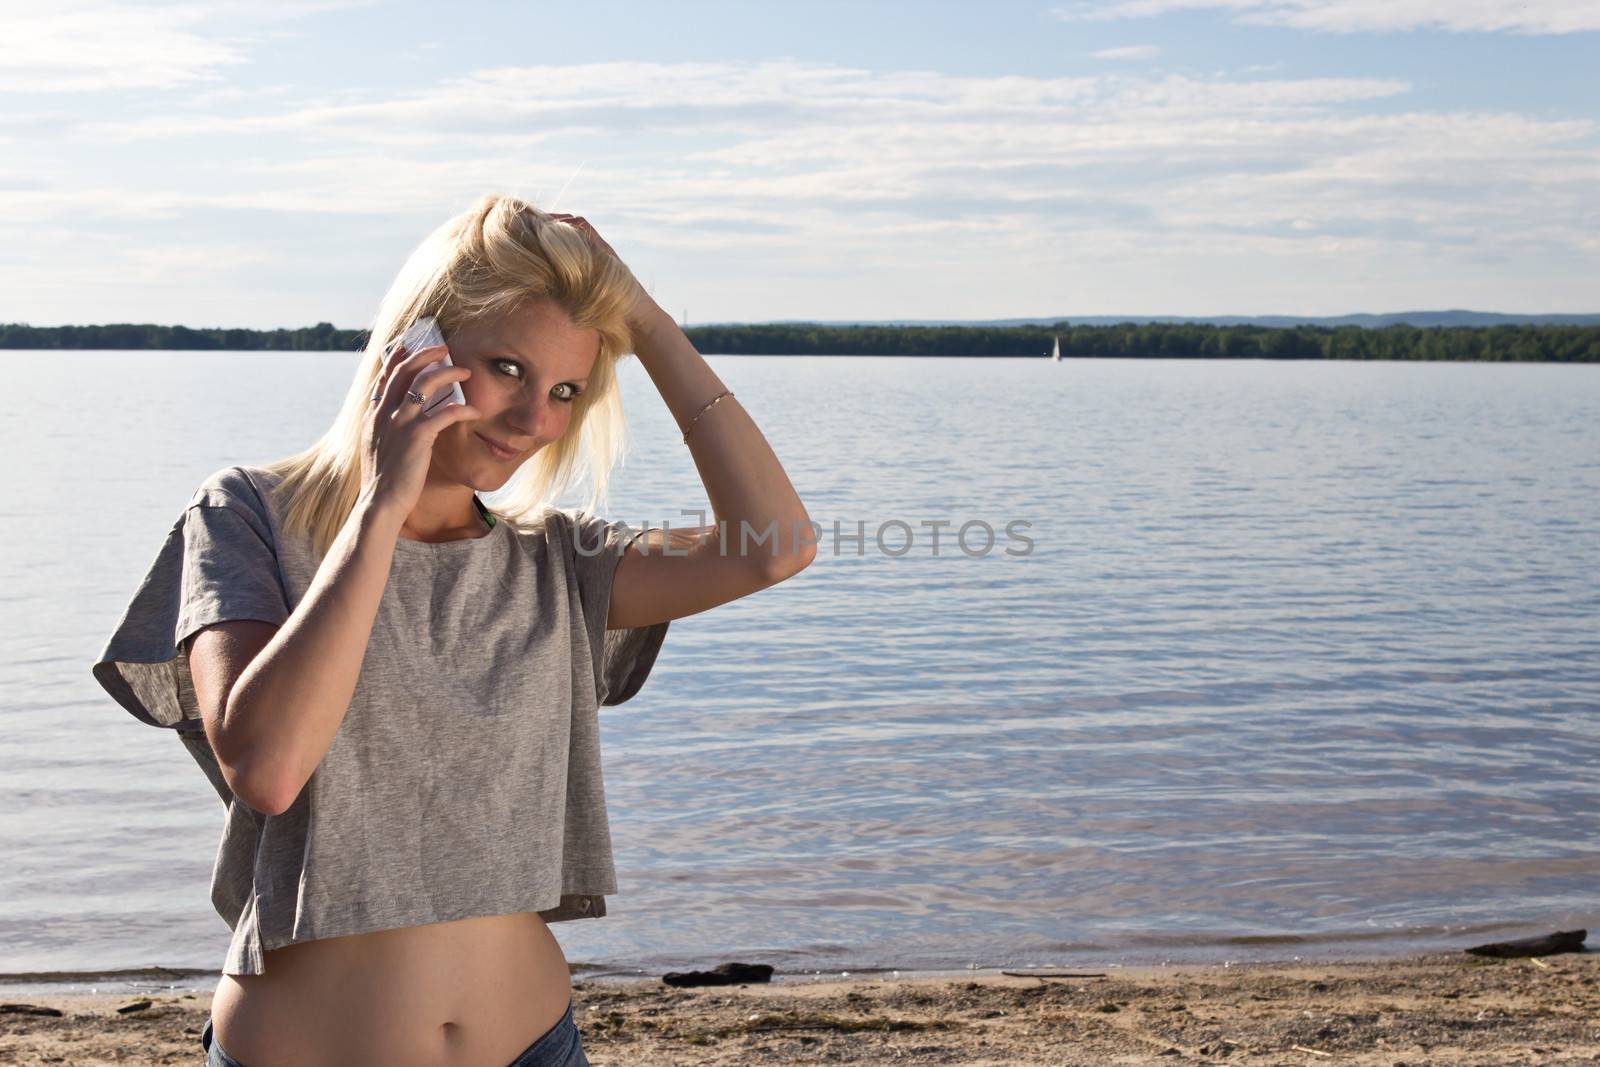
x=533, y=417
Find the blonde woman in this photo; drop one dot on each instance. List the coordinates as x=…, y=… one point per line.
x=394, y=688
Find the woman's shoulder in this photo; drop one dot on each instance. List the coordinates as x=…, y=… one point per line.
x=572, y=530
x=544, y=521
x=238, y=485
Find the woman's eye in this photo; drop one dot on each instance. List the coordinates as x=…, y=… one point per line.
x=565, y=391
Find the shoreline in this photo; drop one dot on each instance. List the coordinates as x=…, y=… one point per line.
x=1430, y=1008
x=152, y=980
x=167, y=981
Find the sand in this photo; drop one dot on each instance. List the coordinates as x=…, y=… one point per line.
x=1433, y=1009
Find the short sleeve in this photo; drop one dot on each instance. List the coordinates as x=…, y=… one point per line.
x=230, y=570
x=218, y=563
x=622, y=658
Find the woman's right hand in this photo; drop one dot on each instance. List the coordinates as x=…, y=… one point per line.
x=396, y=439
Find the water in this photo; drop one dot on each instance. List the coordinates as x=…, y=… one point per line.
x=1302, y=663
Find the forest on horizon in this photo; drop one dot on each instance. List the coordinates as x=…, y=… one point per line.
x=1147, y=340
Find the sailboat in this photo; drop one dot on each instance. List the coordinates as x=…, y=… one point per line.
x=1055, y=352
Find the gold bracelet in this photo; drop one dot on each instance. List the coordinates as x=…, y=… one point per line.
x=709, y=405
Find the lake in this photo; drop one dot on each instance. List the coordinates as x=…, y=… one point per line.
x=1299, y=660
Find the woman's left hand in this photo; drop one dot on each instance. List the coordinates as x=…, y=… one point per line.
x=581, y=224
x=646, y=310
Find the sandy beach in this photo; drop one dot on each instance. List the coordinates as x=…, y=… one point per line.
x=1433, y=1009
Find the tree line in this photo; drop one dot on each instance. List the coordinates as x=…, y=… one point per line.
x=323, y=337
x=1517, y=344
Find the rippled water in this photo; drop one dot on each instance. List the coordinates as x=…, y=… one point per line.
x=1302, y=662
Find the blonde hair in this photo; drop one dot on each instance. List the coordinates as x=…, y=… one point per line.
x=485, y=261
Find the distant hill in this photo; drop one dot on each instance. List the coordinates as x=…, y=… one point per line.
x=1393, y=318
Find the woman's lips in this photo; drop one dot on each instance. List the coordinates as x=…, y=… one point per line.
x=496, y=450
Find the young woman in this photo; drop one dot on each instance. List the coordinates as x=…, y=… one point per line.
x=395, y=689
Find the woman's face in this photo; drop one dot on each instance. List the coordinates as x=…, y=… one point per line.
x=527, y=366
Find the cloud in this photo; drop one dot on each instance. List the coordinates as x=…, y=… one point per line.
x=831, y=174
x=56, y=50
x=1131, y=51
x=68, y=46
x=773, y=149
x=1351, y=16
x=738, y=103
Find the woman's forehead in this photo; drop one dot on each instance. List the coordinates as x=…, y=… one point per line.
x=541, y=332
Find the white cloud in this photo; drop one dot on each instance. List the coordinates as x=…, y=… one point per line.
x=1350, y=16
x=1131, y=51
x=769, y=150
x=52, y=49
x=737, y=102
x=69, y=46
x=852, y=176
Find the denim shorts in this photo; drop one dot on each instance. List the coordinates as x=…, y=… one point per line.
x=558, y=1047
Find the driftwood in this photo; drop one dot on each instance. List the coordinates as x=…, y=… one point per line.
x=1055, y=974
x=727, y=974
x=27, y=1009
x=1548, y=945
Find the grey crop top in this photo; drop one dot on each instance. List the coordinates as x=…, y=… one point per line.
x=465, y=778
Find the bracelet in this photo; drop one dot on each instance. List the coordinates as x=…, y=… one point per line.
x=709, y=405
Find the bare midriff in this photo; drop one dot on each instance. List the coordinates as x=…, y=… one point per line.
x=458, y=994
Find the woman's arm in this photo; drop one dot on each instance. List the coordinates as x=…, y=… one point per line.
x=762, y=533
x=271, y=722
x=743, y=478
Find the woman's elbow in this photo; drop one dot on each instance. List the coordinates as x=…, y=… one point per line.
x=781, y=567
x=259, y=789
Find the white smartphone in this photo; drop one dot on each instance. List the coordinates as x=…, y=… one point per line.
x=424, y=333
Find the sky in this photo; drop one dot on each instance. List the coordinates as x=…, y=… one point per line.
x=262, y=165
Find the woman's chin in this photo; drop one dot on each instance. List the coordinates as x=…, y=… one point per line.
x=490, y=473
x=478, y=473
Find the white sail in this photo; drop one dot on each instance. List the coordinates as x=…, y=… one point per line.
x=1055, y=353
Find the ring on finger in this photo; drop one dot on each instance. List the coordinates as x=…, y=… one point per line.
x=415, y=396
